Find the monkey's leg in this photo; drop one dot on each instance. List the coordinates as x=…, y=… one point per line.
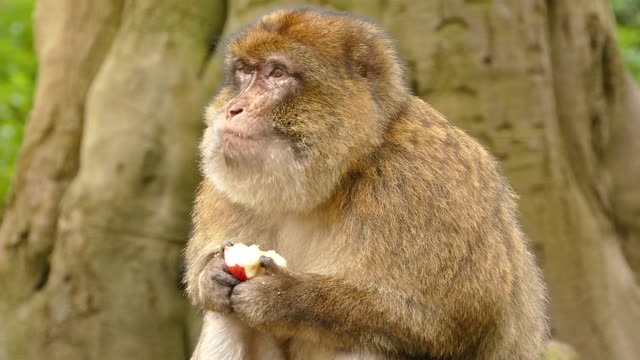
x=224, y=337
x=221, y=337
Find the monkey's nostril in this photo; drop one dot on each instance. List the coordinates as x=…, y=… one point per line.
x=234, y=111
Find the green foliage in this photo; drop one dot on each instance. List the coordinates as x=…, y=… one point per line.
x=17, y=77
x=628, y=18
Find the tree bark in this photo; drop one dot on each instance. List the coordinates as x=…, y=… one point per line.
x=595, y=301
x=92, y=234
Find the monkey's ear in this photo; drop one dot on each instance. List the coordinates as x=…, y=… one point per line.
x=373, y=57
x=362, y=60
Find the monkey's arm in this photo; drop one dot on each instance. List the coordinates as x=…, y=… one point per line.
x=216, y=222
x=330, y=310
x=203, y=246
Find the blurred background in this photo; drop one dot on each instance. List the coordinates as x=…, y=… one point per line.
x=100, y=115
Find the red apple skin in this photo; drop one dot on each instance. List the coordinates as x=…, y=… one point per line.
x=238, y=272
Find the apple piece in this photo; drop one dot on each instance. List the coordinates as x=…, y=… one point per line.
x=279, y=260
x=243, y=261
x=238, y=272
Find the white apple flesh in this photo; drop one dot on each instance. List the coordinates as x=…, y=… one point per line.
x=243, y=261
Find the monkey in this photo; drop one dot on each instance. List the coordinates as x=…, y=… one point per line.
x=400, y=230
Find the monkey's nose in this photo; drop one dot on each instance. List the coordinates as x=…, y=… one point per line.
x=233, y=111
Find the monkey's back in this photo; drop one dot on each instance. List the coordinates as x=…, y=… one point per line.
x=443, y=200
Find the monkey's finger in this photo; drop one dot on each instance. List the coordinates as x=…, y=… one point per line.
x=224, y=278
x=225, y=244
x=270, y=265
x=220, y=251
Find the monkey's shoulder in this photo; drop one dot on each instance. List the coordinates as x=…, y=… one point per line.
x=215, y=212
x=422, y=145
x=426, y=165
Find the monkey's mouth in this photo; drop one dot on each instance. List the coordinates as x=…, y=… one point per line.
x=231, y=136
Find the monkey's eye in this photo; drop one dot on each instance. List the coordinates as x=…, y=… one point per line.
x=277, y=73
x=240, y=67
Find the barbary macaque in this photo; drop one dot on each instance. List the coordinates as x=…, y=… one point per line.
x=399, y=230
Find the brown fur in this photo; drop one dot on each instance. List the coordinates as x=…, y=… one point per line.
x=411, y=248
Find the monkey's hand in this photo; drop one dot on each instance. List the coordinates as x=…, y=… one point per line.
x=215, y=284
x=260, y=301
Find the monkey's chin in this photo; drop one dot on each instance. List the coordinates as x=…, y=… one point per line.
x=242, y=154
x=267, y=179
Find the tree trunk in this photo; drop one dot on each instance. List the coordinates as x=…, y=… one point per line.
x=541, y=83
x=94, y=228
x=92, y=235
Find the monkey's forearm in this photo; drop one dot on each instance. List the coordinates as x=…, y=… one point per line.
x=334, y=306
x=327, y=309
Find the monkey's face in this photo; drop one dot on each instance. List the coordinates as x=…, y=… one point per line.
x=245, y=137
x=247, y=153
x=292, y=118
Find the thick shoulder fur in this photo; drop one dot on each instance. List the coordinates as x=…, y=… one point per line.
x=442, y=203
